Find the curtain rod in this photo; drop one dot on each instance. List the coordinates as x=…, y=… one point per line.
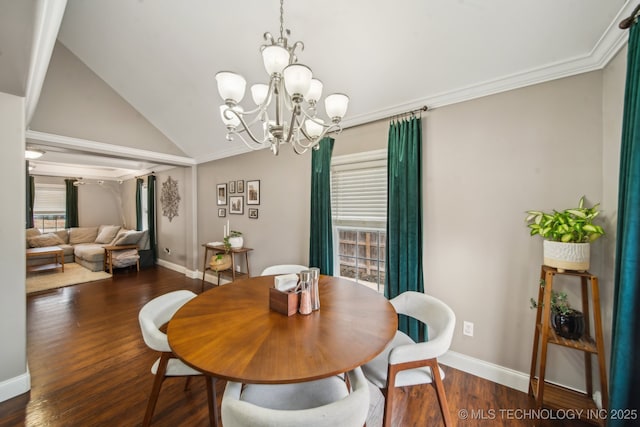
x=142, y=176
x=628, y=22
x=412, y=112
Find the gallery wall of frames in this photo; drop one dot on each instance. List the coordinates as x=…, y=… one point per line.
x=232, y=196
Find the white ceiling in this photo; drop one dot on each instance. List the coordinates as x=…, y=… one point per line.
x=388, y=56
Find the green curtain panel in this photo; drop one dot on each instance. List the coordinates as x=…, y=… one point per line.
x=139, y=182
x=321, y=233
x=30, y=197
x=624, y=376
x=71, y=207
x=404, y=216
x=151, y=212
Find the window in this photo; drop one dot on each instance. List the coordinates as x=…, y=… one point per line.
x=144, y=203
x=359, y=211
x=49, y=207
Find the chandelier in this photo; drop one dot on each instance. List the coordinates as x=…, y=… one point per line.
x=285, y=109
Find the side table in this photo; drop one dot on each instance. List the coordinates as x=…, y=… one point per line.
x=230, y=271
x=553, y=396
x=54, y=251
x=108, y=256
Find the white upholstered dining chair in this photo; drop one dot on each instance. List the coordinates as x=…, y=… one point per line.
x=405, y=362
x=325, y=402
x=152, y=316
x=283, y=269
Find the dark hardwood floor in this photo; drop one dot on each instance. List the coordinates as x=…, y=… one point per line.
x=90, y=367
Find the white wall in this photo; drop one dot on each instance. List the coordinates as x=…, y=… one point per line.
x=14, y=378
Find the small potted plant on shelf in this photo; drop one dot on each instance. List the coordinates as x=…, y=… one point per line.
x=222, y=261
x=567, y=235
x=566, y=321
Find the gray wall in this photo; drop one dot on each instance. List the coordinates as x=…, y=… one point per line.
x=173, y=235
x=485, y=162
x=613, y=83
x=76, y=102
x=97, y=204
x=13, y=365
x=280, y=235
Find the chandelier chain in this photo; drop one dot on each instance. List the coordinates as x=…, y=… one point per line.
x=281, y=18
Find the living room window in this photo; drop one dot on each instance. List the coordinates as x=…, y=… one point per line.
x=144, y=203
x=49, y=207
x=359, y=213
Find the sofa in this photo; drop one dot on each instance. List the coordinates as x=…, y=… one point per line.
x=85, y=245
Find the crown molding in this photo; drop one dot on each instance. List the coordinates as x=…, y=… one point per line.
x=234, y=148
x=49, y=15
x=108, y=149
x=604, y=50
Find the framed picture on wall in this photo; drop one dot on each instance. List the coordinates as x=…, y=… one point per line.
x=222, y=212
x=253, y=192
x=236, y=205
x=253, y=213
x=221, y=194
x=240, y=186
x=232, y=187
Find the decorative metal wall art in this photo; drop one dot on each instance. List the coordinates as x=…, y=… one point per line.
x=170, y=198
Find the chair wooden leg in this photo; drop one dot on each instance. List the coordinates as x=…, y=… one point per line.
x=442, y=397
x=187, y=384
x=155, y=390
x=211, y=398
x=388, y=396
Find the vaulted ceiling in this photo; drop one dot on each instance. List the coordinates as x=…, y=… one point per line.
x=388, y=56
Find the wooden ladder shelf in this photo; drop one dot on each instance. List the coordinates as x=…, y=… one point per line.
x=553, y=396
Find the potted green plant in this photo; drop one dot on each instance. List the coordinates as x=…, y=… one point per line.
x=566, y=321
x=567, y=235
x=235, y=239
x=222, y=261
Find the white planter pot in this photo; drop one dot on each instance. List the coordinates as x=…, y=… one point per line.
x=567, y=256
x=236, y=242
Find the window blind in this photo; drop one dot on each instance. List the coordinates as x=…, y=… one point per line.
x=49, y=199
x=359, y=188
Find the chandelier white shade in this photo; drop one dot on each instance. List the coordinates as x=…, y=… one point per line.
x=33, y=153
x=231, y=86
x=285, y=109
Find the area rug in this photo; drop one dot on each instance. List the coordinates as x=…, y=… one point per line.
x=73, y=274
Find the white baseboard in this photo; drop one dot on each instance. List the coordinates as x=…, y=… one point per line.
x=489, y=371
x=192, y=274
x=15, y=386
x=172, y=266
x=499, y=374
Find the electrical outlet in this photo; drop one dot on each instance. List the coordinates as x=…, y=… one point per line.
x=238, y=268
x=467, y=328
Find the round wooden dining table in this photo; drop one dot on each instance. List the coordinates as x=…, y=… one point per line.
x=229, y=332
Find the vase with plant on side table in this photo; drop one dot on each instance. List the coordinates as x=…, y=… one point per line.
x=567, y=235
x=556, y=321
x=223, y=261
